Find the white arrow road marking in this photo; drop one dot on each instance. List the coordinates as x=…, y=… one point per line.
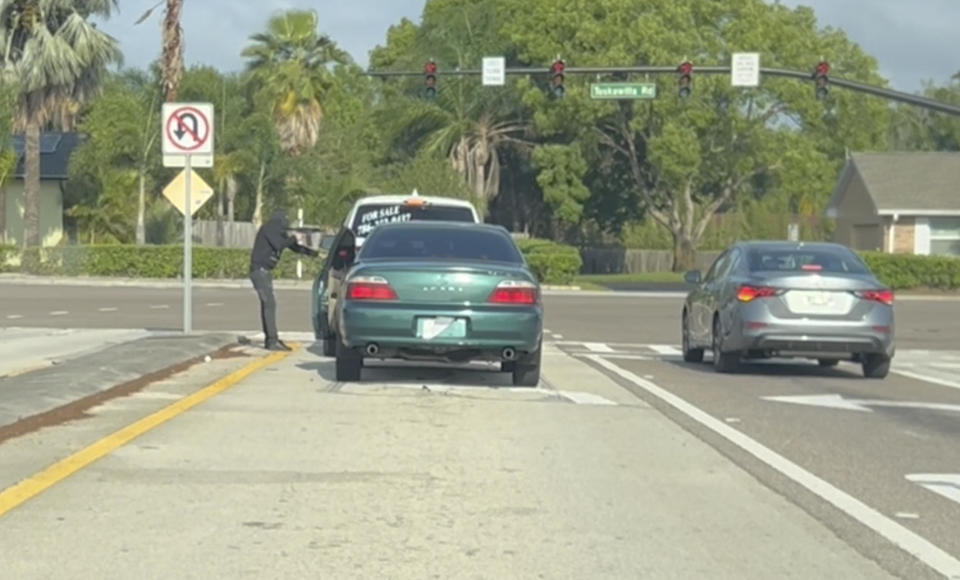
x=945, y=484
x=838, y=402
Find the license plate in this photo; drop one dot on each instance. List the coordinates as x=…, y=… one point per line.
x=441, y=327
x=818, y=299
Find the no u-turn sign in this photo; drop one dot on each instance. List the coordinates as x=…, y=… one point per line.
x=187, y=129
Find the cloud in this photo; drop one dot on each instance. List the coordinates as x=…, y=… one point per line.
x=913, y=41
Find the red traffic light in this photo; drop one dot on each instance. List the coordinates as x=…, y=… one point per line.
x=430, y=68
x=558, y=67
x=823, y=69
x=685, y=68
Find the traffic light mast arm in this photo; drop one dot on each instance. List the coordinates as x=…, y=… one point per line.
x=804, y=76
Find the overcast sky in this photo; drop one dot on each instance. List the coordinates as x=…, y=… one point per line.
x=913, y=40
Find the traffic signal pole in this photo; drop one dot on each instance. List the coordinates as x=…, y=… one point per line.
x=876, y=91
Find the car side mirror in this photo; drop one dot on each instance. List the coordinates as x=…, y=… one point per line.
x=692, y=277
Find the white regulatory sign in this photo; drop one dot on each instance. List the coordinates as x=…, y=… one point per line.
x=745, y=69
x=494, y=71
x=187, y=130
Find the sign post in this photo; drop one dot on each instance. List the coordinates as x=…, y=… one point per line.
x=187, y=137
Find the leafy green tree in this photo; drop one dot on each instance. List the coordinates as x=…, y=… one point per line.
x=689, y=160
x=920, y=129
x=40, y=37
x=8, y=157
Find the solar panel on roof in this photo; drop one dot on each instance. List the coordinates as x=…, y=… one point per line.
x=48, y=143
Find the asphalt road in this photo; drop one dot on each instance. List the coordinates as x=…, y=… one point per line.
x=616, y=318
x=625, y=463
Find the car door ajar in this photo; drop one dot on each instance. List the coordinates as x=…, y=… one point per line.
x=342, y=257
x=725, y=288
x=707, y=300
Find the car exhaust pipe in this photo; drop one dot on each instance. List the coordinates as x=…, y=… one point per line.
x=372, y=349
x=509, y=353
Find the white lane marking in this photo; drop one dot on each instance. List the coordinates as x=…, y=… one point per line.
x=839, y=402
x=547, y=331
x=159, y=307
x=664, y=349
x=582, y=398
x=557, y=336
x=59, y=312
x=912, y=543
x=108, y=309
x=614, y=355
x=732, y=420
x=214, y=303
x=14, y=316
x=945, y=484
x=907, y=515
x=597, y=347
x=927, y=378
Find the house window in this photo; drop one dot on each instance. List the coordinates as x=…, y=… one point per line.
x=945, y=236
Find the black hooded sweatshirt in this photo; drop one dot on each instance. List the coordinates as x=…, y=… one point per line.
x=272, y=240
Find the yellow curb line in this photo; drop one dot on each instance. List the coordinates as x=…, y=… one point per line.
x=39, y=482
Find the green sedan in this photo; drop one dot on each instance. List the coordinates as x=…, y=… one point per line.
x=439, y=291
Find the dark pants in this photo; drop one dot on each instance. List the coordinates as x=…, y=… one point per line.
x=263, y=283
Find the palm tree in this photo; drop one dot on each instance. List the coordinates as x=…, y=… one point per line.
x=470, y=128
x=289, y=69
x=57, y=59
x=172, y=59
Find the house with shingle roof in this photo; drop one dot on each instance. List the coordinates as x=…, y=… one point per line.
x=55, y=151
x=903, y=202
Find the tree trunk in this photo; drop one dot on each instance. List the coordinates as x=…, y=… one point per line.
x=684, y=253
x=258, y=202
x=142, y=209
x=231, y=197
x=31, y=162
x=172, y=50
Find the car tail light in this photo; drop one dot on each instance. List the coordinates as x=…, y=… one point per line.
x=748, y=293
x=882, y=296
x=515, y=292
x=369, y=288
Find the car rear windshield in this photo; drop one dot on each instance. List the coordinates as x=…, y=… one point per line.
x=805, y=260
x=431, y=243
x=372, y=215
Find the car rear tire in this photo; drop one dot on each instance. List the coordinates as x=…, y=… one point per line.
x=723, y=362
x=876, y=366
x=691, y=355
x=526, y=373
x=828, y=362
x=349, y=363
x=329, y=338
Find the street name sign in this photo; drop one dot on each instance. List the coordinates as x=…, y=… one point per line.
x=494, y=71
x=745, y=69
x=623, y=91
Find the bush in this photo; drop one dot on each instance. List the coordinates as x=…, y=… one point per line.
x=552, y=263
x=7, y=253
x=153, y=262
x=905, y=271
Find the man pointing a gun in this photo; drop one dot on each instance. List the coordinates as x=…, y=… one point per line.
x=272, y=239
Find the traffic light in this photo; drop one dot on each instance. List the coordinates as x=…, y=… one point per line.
x=430, y=79
x=557, y=70
x=685, y=81
x=820, y=78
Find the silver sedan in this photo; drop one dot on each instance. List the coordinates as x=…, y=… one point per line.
x=793, y=300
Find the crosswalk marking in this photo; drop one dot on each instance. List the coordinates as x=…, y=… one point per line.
x=597, y=347
x=665, y=349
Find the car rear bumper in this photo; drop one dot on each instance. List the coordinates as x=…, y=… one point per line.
x=836, y=338
x=489, y=330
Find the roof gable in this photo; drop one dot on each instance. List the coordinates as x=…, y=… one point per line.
x=918, y=181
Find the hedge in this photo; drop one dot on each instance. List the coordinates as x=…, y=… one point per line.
x=907, y=271
x=551, y=262
x=7, y=254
